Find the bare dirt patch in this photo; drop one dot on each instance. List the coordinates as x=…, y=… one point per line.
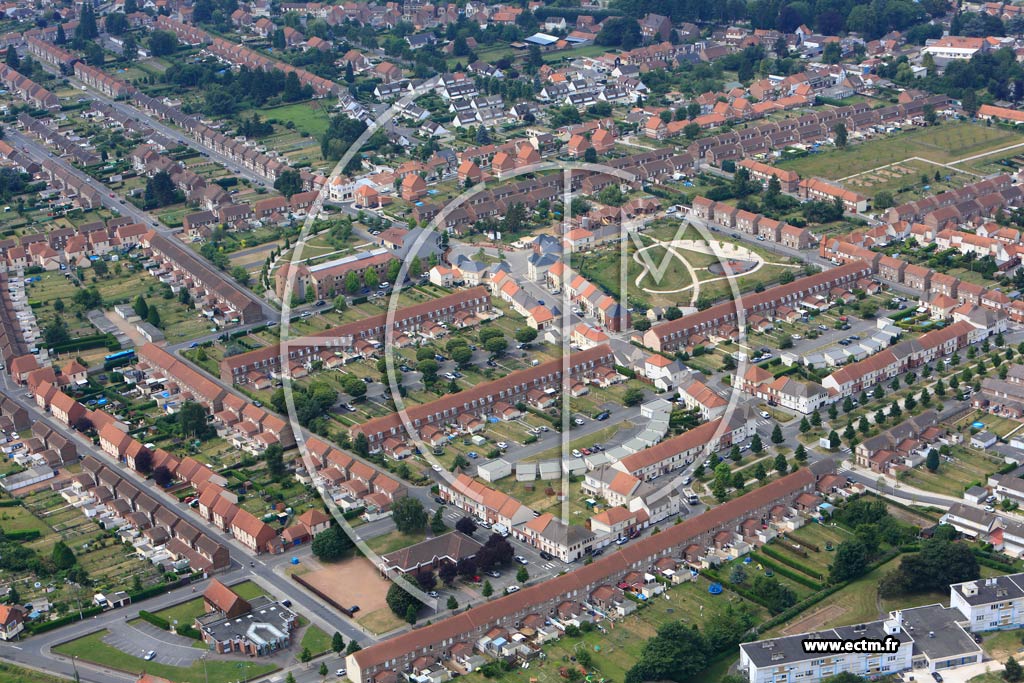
x=815, y=620
x=351, y=582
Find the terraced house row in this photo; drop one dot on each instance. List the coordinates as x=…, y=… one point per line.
x=722, y=320
x=238, y=55
x=538, y=385
x=360, y=338
x=811, y=127
x=567, y=598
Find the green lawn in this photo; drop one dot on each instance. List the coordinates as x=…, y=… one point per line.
x=943, y=144
x=309, y=117
x=15, y=674
x=91, y=648
x=393, y=541
x=315, y=640
x=1002, y=644
x=953, y=478
x=381, y=621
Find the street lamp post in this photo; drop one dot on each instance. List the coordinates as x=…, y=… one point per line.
x=74, y=664
x=206, y=676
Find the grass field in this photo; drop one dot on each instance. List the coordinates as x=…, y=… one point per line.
x=310, y=117
x=91, y=648
x=943, y=144
x=952, y=478
x=15, y=674
x=315, y=640
x=381, y=621
x=904, y=180
x=393, y=541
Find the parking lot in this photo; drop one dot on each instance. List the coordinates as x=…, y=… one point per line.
x=821, y=332
x=138, y=638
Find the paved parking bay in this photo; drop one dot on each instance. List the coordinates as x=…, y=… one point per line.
x=138, y=639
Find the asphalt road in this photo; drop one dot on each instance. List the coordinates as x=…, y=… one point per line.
x=40, y=153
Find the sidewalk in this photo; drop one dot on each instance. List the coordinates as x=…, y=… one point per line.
x=897, y=485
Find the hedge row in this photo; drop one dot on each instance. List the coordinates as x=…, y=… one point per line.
x=13, y=503
x=154, y=619
x=25, y=535
x=43, y=627
x=189, y=631
x=625, y=372
x=153, y=591
x=807, y=576
x=808, y=602
x=990, y=560
x=85, y=343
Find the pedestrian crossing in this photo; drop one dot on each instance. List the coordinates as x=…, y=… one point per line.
x=549, y=565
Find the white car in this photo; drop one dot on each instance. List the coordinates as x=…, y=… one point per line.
x=340, y=672
x=989, y=508
x=797, y=337
x=512, y=589
x=437, y=468
x=579, y=421
x=764, y=414
x=502, y=445
x=576, y=453
x=150, y=655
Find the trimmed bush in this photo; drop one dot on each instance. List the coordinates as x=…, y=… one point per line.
x=154, y=619
x=45, y=626
x=791, y=570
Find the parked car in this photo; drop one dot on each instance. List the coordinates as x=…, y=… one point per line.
x=765, y=414
x=546, y=556
x=602, y=416
x=579, y=421
x=522, y=560
x=150, y=655
x=340, y=672
x=512, y=589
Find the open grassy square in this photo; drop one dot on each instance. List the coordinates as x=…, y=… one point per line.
x=943, y=144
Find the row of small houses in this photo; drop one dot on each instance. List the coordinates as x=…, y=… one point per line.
x=239, y=55
x=27, y=89
x=153, y=526
x=69, y=246
x=654, y=166
x=270, y=166
x=266, y=165
x=982, y=198
x=72, y=184
x=358, y=339
x=751, y=223
x=811, y=127
x=722, y=320
x=54, y=138
x=591, y=591
x=938, y=290
x=250, y=427
x=466, y=411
